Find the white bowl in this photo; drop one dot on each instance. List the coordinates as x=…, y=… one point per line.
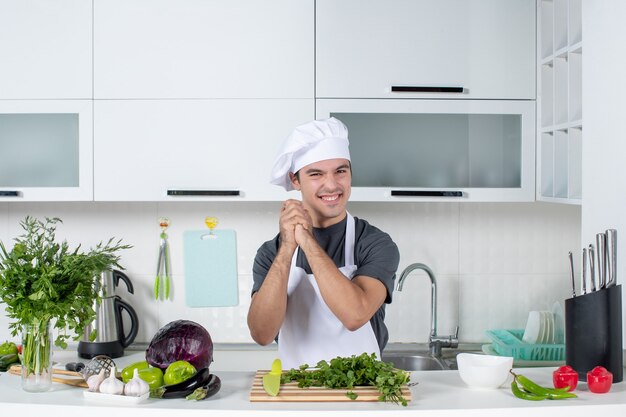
x=484, y=371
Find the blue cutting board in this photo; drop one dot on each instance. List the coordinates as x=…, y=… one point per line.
x=210, y=268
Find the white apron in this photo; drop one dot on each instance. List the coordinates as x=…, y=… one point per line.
x=311, y=332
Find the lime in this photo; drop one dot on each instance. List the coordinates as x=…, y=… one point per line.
x=277, y=367
x=178, y=371
x=271, y=383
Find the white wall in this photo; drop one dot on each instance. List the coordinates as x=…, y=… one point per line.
x=494, y=262
x=604, y=112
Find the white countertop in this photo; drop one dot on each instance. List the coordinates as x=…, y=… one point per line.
x=437, y=393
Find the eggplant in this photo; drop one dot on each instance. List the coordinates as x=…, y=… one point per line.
x=208, y=390
x=184, y=388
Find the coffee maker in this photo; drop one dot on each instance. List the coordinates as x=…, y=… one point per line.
x=111, y=339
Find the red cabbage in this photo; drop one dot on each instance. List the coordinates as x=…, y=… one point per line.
x=181, y=340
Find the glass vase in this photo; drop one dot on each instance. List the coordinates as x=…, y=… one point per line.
x=36, y=357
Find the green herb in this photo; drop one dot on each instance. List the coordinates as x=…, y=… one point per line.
x=349, y=372
x=43, y=281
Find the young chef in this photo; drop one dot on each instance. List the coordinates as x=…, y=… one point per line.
x=320, y=286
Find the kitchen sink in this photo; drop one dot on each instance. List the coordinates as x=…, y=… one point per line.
x=415, y=361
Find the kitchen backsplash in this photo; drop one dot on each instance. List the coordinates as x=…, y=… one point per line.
x=493, y=261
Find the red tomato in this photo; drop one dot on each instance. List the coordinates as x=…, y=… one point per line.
x=599, y=380
x=565, y=376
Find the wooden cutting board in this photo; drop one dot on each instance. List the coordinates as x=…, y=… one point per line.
x=62, y=376
x=291, y=393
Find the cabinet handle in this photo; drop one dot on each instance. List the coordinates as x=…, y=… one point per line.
x=404, y=193
x=209, y=193
x=424, y=89
x=10, y=193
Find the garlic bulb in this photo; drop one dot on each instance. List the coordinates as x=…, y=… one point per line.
x=94, y=381
x=112, y=385
x=136, y=387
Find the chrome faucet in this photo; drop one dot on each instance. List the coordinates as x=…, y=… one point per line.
x=435, y=342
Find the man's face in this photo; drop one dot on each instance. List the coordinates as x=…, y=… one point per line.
x=325, y=188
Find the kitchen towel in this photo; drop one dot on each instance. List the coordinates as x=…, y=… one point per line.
x=210, y=268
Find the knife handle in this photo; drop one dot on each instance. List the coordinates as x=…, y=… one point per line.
x=583, y=283
x=592, y=268
x=571, y=269
x=601, y=265
x=611, y=251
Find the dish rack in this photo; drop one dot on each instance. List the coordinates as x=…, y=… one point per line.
x=510, y=343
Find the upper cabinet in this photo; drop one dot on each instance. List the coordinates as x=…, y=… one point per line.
x=478, y=49
x=560, y=114
x=426, y=150
x=46, y=151
x=203, y=49
x=185, y=150
x=45, y=49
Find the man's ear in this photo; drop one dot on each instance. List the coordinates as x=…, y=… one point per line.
x=294, y=181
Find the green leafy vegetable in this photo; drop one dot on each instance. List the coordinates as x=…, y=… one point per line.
x=42, y=281
x=349, y=372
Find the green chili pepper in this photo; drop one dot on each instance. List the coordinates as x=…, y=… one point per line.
x=536, y=391
x=552, y=393
x=525, y=395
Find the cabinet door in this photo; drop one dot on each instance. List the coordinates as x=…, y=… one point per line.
x=145, y=148
x=426, y=150
x=203, y=49
x=46, y=49
x=486, y=47
x=46, y=150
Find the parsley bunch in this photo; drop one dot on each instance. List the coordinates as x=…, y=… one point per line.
x=349, y=372
x=42, y=280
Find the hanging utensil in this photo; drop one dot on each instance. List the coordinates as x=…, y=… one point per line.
x=592, y=268
x=611, y=251
x=571, y=268
x=163, y=263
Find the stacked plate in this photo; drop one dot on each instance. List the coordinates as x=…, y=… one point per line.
x=540, y=328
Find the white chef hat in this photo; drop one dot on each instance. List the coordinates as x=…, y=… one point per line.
x=308, y=143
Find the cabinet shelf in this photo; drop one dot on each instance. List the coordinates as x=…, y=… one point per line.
x=574, y=124
x=559, y=101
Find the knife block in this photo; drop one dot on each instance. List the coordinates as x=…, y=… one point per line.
x=593, y=332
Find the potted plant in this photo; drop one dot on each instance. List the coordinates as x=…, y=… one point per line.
x=47, y=286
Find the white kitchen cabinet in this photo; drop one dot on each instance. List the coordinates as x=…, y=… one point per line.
x=191, y=150
x=45, y=49
x=560, y=127
x=203, y=49
x=484, y=48
x=429, y=150
x=46, y=150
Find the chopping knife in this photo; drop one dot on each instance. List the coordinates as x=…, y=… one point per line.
x=611, y=252
x=601, y=256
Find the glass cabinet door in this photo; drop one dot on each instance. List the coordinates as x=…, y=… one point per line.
x=45, y=150
x=476, y=150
